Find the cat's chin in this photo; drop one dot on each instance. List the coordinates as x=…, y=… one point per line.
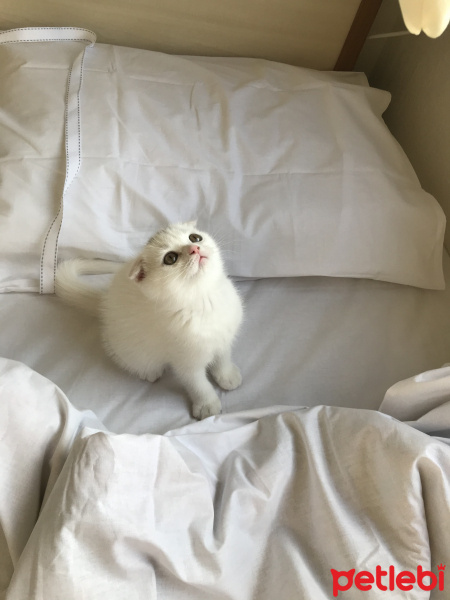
x=200, y=265
x=200, y=270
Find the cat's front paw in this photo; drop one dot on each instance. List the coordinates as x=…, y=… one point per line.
x=206, y=409
x=229, y=378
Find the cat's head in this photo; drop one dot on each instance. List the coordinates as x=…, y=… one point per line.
x=179, y=255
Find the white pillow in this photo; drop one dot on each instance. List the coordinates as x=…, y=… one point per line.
x=292, y=170
x=36, y=68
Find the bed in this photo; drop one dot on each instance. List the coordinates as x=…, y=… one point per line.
x=327, y=473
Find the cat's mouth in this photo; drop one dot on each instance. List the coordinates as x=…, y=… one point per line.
x=200, y=261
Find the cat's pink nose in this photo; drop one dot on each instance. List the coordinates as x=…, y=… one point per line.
x=194, y=249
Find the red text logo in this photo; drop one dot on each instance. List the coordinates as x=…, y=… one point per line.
x=387, y=580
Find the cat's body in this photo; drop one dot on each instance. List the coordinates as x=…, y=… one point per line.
x=171, y=306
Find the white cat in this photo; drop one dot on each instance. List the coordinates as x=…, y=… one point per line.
x=172, y=306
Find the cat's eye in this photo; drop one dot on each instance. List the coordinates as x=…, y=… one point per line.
x=170, y=258
x=194, y=237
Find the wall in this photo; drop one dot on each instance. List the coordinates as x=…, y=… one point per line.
x=309, y=33
x=416, y=70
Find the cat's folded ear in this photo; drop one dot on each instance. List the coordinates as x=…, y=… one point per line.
x=138, y=270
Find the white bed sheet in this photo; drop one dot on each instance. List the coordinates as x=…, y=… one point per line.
x=246, y=506
x=304, y=342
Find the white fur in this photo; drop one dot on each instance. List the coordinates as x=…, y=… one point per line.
x=75, y=292
x=155, y=315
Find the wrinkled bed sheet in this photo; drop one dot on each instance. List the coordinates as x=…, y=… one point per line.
x=251, y=505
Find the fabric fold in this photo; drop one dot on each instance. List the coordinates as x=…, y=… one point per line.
x=261, y=504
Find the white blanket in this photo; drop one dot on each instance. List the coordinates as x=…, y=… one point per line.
x=252, y=505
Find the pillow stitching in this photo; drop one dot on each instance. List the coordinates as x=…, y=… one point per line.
x=53, y=28
x=48, y=40
x=60, y=212
x=78, y=166
x=67, y=169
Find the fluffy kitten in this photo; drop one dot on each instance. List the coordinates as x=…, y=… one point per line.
x=172, y=306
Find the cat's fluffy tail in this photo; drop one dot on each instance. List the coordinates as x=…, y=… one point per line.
x=70, y=287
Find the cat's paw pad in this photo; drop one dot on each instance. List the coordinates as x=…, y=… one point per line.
x=228, y=379
x=206, y=409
